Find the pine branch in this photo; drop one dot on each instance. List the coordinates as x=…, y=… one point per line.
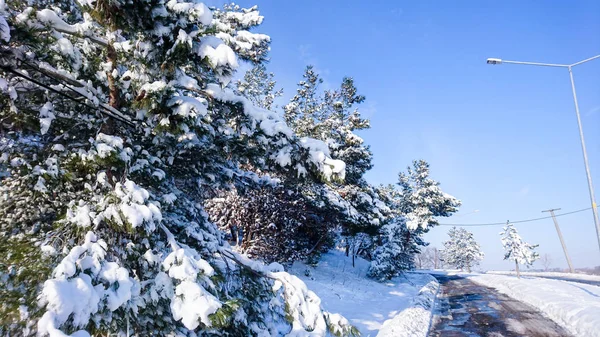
x=107, y=110
x=246, y=267
x=94, y=39
x=53, y=74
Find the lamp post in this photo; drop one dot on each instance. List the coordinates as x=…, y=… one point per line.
x=585, y=158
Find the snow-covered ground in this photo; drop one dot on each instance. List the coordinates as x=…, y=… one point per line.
x=574, y=306
x=575, y=276
x=404, y=301
x=416, y=319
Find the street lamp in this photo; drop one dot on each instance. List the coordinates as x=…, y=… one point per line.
x=585, y=158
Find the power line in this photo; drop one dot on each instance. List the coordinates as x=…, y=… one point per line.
x=519, y=221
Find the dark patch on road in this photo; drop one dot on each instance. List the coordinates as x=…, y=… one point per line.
x=466, y=309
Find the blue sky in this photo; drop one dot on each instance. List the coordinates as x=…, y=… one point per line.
x=503, y=139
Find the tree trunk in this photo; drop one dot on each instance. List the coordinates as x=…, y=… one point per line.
x=113, y=92
x=234, y=235
x=517, y=267
x=435, y=259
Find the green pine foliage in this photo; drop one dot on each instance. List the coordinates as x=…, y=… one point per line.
x=118, y=120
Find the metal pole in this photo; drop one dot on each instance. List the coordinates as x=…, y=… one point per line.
x=537, y=64
x=562, y=241
x=584, y=61
x=585, y=160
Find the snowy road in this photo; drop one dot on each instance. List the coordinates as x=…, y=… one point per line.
x=465, y=308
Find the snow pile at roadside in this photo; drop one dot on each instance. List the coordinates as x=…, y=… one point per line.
x=366, y=303
x=415, y=320
x=574, y=276
x=575, y=306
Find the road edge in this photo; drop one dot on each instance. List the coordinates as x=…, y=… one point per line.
x=414, y=321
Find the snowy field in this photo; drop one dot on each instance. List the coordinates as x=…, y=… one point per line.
x=574, y=306
x=368, y=304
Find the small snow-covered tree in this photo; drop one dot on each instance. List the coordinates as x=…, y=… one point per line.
x=516, y=249
x=461, y=250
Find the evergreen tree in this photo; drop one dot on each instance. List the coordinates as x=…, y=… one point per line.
x=461, y=250
x=516, y=249
x=305, y=108
x=397, y=251
x=117, y=121
x=259, y=87
x=414, y=204
x=333, y=117
x=422, y=200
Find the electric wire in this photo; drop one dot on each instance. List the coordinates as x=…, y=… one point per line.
x=519, y=221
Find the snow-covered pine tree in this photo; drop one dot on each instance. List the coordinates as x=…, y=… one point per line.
x=415, y=206
x=333, y=117
x=395, y=245
x=116, y=119
x=304, y=109
x=258, y=86
x=422, y=200
x=461, y=250
x=396, y=253
x=516, y=249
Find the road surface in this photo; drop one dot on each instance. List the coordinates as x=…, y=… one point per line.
x=464, y=308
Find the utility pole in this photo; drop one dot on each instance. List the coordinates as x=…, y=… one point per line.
x=562, y=241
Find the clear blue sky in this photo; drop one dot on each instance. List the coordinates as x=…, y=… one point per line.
x=503, y=139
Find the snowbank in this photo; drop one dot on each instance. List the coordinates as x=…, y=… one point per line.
x=574, y=306
x=415, y=320
x=366, y=303
x=575, y=276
